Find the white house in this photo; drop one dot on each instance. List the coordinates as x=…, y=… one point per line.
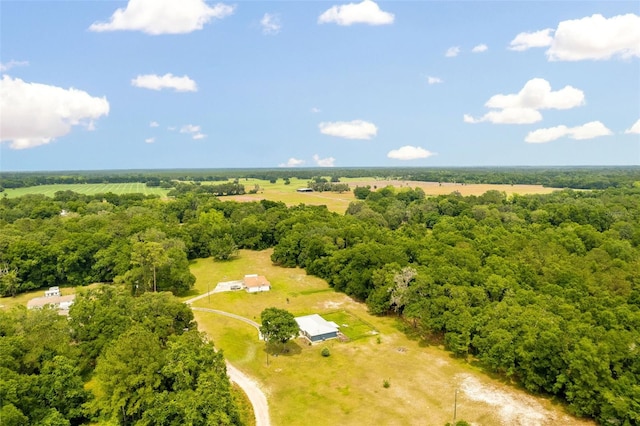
x=255, y=283
x=52, y=292
x=317, y=329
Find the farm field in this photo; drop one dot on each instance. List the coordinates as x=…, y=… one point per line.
x=339, y=202
x=347, y=387
x=88, y=189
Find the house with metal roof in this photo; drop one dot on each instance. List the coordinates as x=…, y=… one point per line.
x=317, y=329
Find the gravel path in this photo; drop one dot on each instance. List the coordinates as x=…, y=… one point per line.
x=250, y=387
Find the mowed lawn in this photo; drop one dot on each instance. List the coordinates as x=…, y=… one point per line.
x=346, y=388
x=88, y=189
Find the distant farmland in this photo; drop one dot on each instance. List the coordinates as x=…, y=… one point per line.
x=88, y=189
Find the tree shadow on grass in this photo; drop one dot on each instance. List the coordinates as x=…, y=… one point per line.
x=278, y=349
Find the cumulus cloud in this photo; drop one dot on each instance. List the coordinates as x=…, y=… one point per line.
x=525, y=41
x=507, y=116
x=452, y=52
x=35, y=114
x=523, y=107
x=596, y=38
x=167, y=81
x=193, y=130
x=356, y=129
x=292, y=162
x=434, y=80
x=270, y=24
x=189, y=128
x=590, y=38
x=324, y=162
x=409, y=152
x=11, y=64
x=163, y=16
x=366, y=12
x=480, y=48
x=150, y=140
x=635, y=129
x=537, y=94
x=589, y=130
x=153, y=124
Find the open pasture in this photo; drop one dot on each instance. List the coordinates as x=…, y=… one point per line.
x=337, y=202
x=346, y=388
x=88, y=189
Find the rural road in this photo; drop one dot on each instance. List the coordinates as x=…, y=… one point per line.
x=250, y=388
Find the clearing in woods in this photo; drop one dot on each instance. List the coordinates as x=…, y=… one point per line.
x=346, y=388
x=337, y=202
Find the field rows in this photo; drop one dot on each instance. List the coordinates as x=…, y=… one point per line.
x=88, y=189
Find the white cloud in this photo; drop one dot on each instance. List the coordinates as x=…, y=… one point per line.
x=635, y=129
x=193, y=130
x=11, y=64
x=596, y=38
x=189, y=128
x=34, y=114
x=480, y=48
x=409, y=152
x=292, y=162
x=589, y=130
x=356, y=129
x=523, y=107
x=537, y=94
x=270, y=24
x=150, y=140
x=365, y=12
x=163, y=16
x=507, y=116
x=171, y=128
x=167, y=81
x=324, y=162
x=525, y=41
x=452, y=52
x=153, y=124
x=315, y=110
x=434, y=80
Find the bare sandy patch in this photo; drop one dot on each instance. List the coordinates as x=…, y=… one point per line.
x=513, y=408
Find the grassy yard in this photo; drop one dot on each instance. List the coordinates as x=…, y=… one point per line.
x=346, y=388
x=88, y=188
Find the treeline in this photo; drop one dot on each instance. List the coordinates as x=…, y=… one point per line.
x=143, y=356
x=543, y=289
x=556, y=177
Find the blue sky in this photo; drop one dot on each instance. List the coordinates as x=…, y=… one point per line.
x=194, y=84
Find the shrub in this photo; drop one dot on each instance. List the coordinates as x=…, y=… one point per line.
x=386, y=383
x=325, y=352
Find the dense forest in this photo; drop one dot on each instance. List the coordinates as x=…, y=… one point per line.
x=555, y=177
x=144, y=355
x=541, y=289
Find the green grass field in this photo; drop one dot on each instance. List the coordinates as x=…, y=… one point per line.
x=346, y=388
x=88, y=189
x=350, y=325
